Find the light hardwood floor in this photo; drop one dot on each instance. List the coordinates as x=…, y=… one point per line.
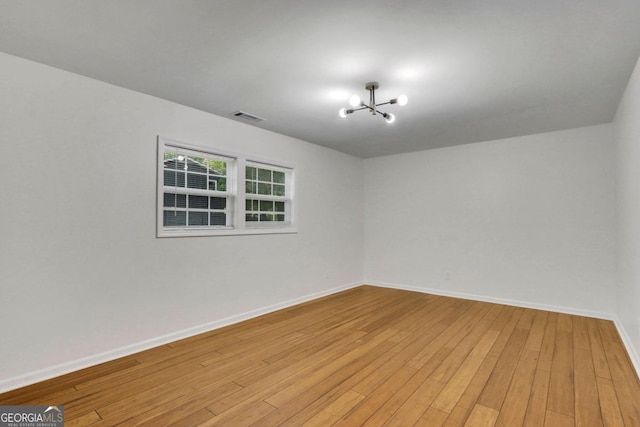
x=367, y=356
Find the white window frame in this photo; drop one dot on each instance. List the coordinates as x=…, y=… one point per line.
x=235, y=194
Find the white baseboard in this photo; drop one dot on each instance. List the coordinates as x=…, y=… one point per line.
x=633, y=354
x=85, y=362
x=631, y=350
x=505, y=301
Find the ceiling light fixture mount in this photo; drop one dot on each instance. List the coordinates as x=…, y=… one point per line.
x=355, y=101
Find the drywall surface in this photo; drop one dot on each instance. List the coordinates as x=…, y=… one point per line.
x=527, y=220
x=627, y=127
x=82, y=270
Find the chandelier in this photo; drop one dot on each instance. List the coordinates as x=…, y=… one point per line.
x=355, y=101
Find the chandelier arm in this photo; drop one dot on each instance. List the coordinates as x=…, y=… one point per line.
x=365, y=107
x=383, y=103
x=361, y=108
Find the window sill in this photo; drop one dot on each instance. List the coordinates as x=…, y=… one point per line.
x=226, y=232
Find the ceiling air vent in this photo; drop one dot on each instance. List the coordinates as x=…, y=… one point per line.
x=248, y=117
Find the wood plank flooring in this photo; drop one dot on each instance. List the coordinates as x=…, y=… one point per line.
x=368, y=356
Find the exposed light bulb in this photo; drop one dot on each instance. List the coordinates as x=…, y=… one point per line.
x=354, y=101
x=389, y=118
x=403, y=99
x=343, y=113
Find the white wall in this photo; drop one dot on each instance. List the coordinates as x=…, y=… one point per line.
x=82, y=270
x=527, y=220
x=627, y=127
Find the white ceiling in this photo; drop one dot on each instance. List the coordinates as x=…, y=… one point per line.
x=474, y=70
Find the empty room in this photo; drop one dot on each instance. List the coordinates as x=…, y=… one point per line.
x=265, y=213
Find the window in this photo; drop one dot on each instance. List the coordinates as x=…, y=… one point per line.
x=267, y=195
x=195, y=189
x=199, y=193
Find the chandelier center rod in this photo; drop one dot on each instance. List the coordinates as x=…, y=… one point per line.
x=371, y=87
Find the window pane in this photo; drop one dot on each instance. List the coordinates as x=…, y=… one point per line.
x=266, y=206
x=196, y=164
x=174, y=218
x=213, y=183
x=173, y=178
x=250, y=172
x=278, y=177
x=266, y=217
x=278, y=190
x=170, y=161
x=250, y=188
x=197, y=181
x=264, y=188
x=175, y=200
x=198, y=219
x=218, y=218
x=174, y=161
x=279, y=206
x=198, y=202
x=217, y=203
x=222, y=184
x=279, y=217
x=252, y=205
x=264, y=175
x=217, y=167
x=251, y=217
